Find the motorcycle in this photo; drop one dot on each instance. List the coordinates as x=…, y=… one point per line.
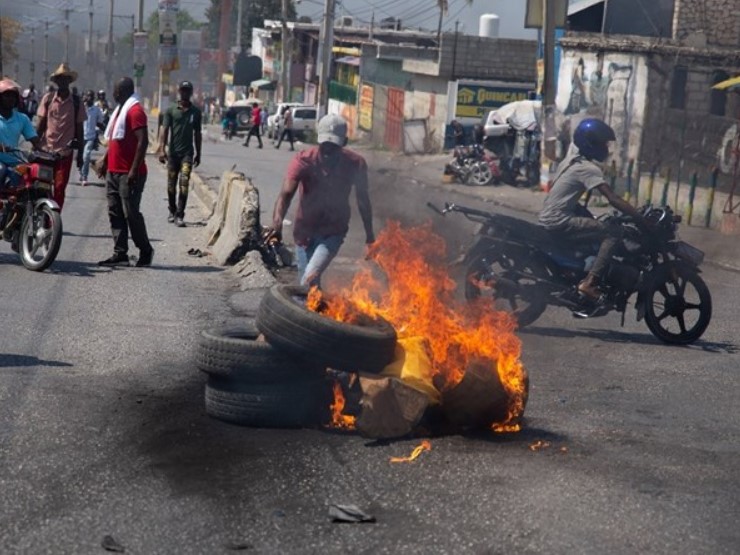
x=526, y=268
x=474, y=165
x=30, y=220
x=229, y=128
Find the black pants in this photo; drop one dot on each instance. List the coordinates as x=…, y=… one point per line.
x=286, y=133
x=254, y=131
x=180, y=166
x=583, y=230
x=124, y=214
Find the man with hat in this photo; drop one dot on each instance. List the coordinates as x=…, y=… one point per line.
x=184, y=121
x=60, y=127
x=324, y=176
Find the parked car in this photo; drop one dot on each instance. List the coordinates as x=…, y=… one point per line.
x=272, y=119
x=304, y=121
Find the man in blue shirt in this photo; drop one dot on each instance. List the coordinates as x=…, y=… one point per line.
x=13, y=125
x=95, y=120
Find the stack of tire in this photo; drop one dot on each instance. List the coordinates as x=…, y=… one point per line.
x=278, y=380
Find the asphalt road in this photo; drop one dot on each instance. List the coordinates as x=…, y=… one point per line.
x=102, y=428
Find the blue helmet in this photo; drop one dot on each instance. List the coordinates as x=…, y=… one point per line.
x=592, y=137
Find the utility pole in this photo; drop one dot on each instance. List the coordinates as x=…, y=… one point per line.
x=46, y=50
x=239, y=10
x=442, y=10
x=109, y=51
x=137, y=73
x=548, y=97
x=284, y=56
x=372, y=26
x=224, y=33
x=66, y=33
x=91, y=13
x=32, y=65
x=326, y=40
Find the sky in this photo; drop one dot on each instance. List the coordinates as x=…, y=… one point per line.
x=413, y=13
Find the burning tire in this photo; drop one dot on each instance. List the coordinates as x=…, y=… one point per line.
x=285, y=405
x=289, y=325
x=235, y=353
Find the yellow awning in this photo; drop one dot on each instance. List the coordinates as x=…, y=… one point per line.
x=728, y=84
x=346, y=50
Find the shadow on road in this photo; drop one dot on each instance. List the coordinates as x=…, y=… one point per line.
x=8, y=360
x=615, y=336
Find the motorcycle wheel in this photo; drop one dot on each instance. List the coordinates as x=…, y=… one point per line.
x=480, y=174
x=505, y=277
x=40, y=247
x=678, y=305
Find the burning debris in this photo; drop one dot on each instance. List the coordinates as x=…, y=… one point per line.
x=469, y=352
x=418, y=450
x=339, y=420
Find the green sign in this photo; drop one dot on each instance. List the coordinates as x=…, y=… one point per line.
x=139, y=70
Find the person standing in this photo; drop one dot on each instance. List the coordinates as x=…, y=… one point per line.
x=323, y=176
x=287, y=127
x=60, y=127
x=256, y=123
x=263, y=119
x=125, y=175
x=30, y=101
x=184, y=120
x=93, y=122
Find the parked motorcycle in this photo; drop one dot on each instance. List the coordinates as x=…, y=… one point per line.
x=474, y=165
x=30, y=220
x=525, y=268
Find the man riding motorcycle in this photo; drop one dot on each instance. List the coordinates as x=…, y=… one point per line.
x=13, y=125
x=581, y=171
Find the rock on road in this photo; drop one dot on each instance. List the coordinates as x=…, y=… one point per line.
x=103, y=432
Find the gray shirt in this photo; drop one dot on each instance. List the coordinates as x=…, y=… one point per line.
x=575, y=175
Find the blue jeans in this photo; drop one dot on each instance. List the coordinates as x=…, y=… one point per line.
x=86, y=154
x=315, y=258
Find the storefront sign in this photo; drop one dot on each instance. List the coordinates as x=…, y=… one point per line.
x=366, y=107
x=475, y=100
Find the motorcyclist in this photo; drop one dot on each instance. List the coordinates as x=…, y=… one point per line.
x=581, y=171
x=13, y=125
x=229, y=121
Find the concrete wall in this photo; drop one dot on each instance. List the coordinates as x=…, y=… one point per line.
x=608, y=85
x=430, y=107
x=489, y=58
x=717, y=21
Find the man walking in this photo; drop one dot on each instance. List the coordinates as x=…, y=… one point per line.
x=126, y=175
x=287, y=127
x=256, y=123
x=324, y=176
x=184, y=120
x=93, y=122
x=60, y=127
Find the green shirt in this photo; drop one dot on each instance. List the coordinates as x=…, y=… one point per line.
x=182, y=125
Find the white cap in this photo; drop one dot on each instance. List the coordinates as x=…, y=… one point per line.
x=332, y=129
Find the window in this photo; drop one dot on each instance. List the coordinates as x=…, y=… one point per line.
x=305, y=114
x=718, y=99
x=678, y=88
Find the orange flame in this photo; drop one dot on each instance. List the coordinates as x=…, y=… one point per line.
x=416, y=295
x=425, y=445
x=539, y=444
x=339, y=420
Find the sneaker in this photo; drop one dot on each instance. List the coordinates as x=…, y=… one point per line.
x=115, y=260
x=171, y=218
x=145, y=258
x=179, y=222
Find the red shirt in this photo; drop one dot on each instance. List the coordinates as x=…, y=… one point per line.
x=323, y=189
x=121, y=152
x=256, y=117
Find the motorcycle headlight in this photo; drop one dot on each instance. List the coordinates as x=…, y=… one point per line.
x=46, y=174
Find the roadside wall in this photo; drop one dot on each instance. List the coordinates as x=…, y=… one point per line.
x=607, y=85
x=716, y=21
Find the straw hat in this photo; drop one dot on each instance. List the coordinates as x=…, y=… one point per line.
x=64, y=71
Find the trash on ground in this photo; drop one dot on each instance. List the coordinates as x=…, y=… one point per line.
x=390, y=408
x=110, y=544
x=349, y=513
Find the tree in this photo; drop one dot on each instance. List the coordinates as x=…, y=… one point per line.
x=254, y=15
x=9, y=29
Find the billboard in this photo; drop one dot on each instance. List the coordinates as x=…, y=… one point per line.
x=473, y=101
x=366, y=107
